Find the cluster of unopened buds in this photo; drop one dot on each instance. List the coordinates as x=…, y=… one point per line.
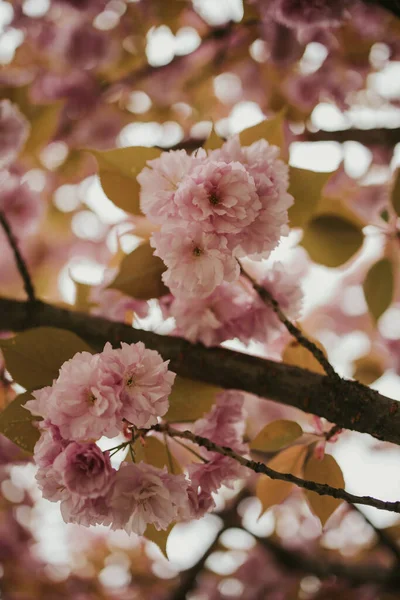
x=124, y=392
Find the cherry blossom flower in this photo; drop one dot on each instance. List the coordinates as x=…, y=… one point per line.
x=222, y=196
x=210, y=320
x=224, y=423
x=197, y=261
x=14, y=130
x=159, y=182
x=85, y=469
x=145, y=382
x=84, y=401
x=144, y=495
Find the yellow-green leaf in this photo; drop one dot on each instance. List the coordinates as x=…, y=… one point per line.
x=323, y=471
x=269, y=129
x=331, y=240
x=190, y=399
x=156, y=453
x=378, y=287
x=118, y=170
x=276, y=435
x=16, y=423
x=295, y=354
x=273, y=491
x=35, y=356
x=306, y=188
x=159, y=537
x=140, y=274
x=396, y=192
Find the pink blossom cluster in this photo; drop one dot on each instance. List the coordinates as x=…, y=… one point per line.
x=120, y=391
x=235, y=310
x=213, y=208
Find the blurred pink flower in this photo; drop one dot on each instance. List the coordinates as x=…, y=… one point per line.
x=144, y=495
x=14, y=131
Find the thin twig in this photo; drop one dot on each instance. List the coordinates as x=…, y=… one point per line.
x=268, y=298
x=319, y=488
x=21, y=265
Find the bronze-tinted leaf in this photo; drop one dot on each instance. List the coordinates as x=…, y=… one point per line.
x=118, y=170
x=331, y=240
x=156, y=453
x=270, y=130
x=396, y=192
x=306, y=188
x=159, y=537
x=140, y=274
x=190, y=399
x=276, y=435
x=378, y=287
x=274, y=491
x=323, y=471
x=295, y=354
x=35, y=356
x=16, y=423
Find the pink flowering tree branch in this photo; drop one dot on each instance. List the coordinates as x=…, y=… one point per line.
x=319, y=488
x=20, y=262
x=349, y=404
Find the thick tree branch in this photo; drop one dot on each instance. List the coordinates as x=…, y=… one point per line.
x=356, y=575
x=392, y=6
x=369, y=137
x=322, y=489
x=22, y=268
x=347, y=403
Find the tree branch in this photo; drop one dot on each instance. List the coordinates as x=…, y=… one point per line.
x=322, y=489
x=392, y=6
x=369, y=137
x=357, y=575
x=349, y=404
x=21, y=265
x=269, y=300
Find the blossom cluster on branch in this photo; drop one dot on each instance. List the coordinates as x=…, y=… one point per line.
x=124, y=392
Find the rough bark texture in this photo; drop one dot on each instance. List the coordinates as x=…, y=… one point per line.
x=347, y=403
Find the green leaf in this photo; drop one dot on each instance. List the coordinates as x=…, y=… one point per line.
x=159, y=537
x=276, y=435
x=35, y=356
x=16, y=423
x=190, y=399
x=140, y=274
x=331, y=240
x=378, y=287
x=270, y=130
x=396, y=192
x=118, y=170
x=273, y=491
x=155, y=453
x=323, y=471
x=306, y=188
